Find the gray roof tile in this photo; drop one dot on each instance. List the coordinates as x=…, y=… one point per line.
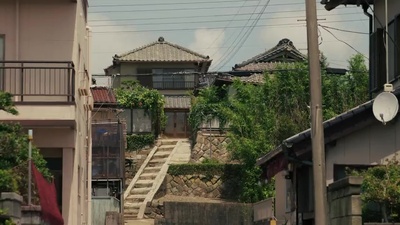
x=162, y=51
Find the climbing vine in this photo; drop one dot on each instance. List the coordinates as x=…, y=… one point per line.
x=261, y=116
x=133, y=95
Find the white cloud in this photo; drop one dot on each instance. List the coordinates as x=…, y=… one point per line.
x=106, y=45
x=208, y=42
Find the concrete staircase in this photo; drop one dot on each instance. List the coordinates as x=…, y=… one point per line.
x=148, y=179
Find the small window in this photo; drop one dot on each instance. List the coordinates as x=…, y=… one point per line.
x=144, y=71
x=2, y=47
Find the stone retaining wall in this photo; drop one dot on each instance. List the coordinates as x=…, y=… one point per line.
x=200, y=186
x=216, y=141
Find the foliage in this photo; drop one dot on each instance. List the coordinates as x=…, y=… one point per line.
x=14, y=154
x=208, y=105
x=133, y=95
x=8, y=183
x=210, y=161
x=381, y=185
x=261, y=116
x=138, y=141
x=6, y=103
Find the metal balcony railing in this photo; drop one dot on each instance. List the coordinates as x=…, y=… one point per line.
x=173, y=84
x=38, y=81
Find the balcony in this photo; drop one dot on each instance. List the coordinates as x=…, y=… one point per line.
x=173, y=85
x=38, y=82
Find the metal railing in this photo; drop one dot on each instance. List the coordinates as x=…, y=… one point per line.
x=173, y=84
x=38, y=81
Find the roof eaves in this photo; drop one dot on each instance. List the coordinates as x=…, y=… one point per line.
x=328, y=123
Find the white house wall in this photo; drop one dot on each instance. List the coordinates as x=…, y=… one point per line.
x=371, y=145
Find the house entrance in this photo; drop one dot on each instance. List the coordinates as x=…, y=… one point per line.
x=177, y=124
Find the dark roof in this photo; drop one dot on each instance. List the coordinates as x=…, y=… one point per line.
x=103, y=95
x=331, y=4
x=284, y=51
x=332, y=127
x=162, y=51
x=177, y=102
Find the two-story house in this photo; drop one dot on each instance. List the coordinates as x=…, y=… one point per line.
x=354, y=139
x=171, y=69
x=44, y=63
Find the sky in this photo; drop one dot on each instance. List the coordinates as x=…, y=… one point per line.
x=229, y=31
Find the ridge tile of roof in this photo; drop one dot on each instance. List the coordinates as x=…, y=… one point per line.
x=283, y=45
x=162, y=51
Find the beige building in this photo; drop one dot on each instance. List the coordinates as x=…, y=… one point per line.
x=171, y=69
x=44, y=54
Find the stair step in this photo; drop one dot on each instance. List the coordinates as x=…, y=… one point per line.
x=169, y=142
x=148, y=176
x=131, y=206
x=162, y=154
x=140, y=190
x=152, y=169
x=136, y=197
x=165, y=147
x=143, y=183
x=163, y=160
x=130, y=217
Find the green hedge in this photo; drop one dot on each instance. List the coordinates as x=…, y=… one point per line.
x=8, y=183
x=138, y=141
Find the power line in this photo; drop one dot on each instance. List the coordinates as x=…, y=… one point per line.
x=191, y=22
x=173, y=3
x=199, y=16
x=344, y=42
x=191, y=8
x=244, y=38
x=212, y=28
x=227, y=25
x=338, y=29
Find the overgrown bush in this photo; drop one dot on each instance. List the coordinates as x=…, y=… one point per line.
x=138, y=141
x=8, y=182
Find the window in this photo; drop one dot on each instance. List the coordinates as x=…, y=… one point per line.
x=2, y=47
x=170, y=78
x=378, y=55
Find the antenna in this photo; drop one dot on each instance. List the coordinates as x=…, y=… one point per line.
x=387, y=41
x=385, y=107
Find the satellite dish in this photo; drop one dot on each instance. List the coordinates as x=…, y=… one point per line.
x=385, y=107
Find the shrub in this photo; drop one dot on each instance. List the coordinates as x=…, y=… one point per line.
x=138, y=141
x=8, y=183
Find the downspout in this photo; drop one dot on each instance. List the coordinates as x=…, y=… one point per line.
x=89, y=135
x=365, y=8
x=17, y=30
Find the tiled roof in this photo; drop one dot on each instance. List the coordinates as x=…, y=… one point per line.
x=261, y=66
x=177, y=102
x=162, y=51
x=256, y=78
x=278, y=53
x=103, y=95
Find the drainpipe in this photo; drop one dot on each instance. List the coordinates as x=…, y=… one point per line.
x=17, y=30
x=365, y=8
x=89, y=135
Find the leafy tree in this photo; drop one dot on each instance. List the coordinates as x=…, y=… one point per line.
x=381, y=186
x=14, y=153
x=262, y=116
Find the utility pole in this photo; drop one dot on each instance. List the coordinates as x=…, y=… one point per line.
x=317, y=130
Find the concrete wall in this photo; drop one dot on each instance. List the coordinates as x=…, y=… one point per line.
x=263, y=211
x=102, y=205
x=344, y=201
x=196, y=213
x=368, y=146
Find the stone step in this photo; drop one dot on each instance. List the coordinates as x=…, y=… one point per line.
x=137, y=197
x=162, y=160
x=143, y=183
x=162, y=154
x=168, y=142
x=140, y=190
x=152, y=169
x=131, y=206
x=148, y=176
x=130, y=217
x=165, y=148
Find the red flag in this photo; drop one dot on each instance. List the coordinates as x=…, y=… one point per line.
x=48, y=198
